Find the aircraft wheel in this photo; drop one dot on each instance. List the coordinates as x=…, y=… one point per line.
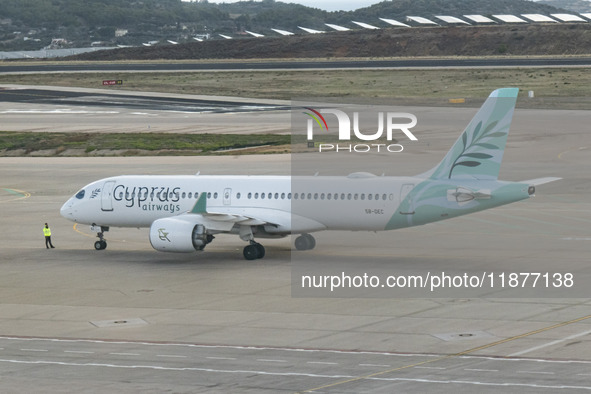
x=311, y=241
x=250, y=252
x=260, y=250
x=100, y=245
x=305, y=242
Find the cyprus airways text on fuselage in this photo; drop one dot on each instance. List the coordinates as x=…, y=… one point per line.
x=152, y=198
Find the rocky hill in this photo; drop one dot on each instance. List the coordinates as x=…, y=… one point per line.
x=553, y=39
x=32, y=24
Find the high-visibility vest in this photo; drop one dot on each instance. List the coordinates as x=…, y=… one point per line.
x=47, y=231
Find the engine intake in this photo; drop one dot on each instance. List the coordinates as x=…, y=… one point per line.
x=178, y=234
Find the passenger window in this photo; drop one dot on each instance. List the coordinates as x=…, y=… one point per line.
x=249, y=196
x=238, y=196
x=283, y=196
x=363, y=196
x=315, y=196
x=209, y=195
x=342, y=196
x=190, y=195
x=215, y=195
x=384, y=197
x=262, y=196
x=276, y=196
x=289, y=196
x=256, y=195
x=183, y=195
x=355, y=196
x=369, y=196
x=329, y=196
x=309, y=196
x=349, y=196
x=295, y=196
x=322, y=196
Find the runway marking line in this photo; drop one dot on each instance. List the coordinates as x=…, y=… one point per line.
x=551, y=343
x=75, y=227
x=375, y=365
x=570, y=150
x=125, y=354
x=465, y=352
x=271, y=361
x=20, y=195
x=538, y=372
x=77, y=352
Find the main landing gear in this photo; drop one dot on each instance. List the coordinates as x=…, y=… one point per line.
x=305, y=242
x=101, y=244
x=254, y=251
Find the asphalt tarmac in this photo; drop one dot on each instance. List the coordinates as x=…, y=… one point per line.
x=530, y=61
x=132, y=319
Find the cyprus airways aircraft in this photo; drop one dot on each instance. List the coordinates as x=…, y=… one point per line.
x=184, y=213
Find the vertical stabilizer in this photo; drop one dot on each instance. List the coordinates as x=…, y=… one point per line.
x=478, y=153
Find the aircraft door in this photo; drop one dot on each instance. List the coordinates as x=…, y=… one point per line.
x=227, y=196
x=406, y=208
x=107, y=196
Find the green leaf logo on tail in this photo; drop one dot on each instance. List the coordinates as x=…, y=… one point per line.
x=478, y=153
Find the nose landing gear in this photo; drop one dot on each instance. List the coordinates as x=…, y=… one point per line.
x=101, y=244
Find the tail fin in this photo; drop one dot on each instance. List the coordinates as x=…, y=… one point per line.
x=478, y=153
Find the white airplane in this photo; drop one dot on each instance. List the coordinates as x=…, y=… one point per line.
x=184, y=213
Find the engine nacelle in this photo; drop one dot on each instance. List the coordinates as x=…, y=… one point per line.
x=178, y=234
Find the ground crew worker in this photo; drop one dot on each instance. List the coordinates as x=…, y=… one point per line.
x=47, y=233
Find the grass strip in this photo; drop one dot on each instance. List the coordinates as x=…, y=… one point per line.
x=128, y=144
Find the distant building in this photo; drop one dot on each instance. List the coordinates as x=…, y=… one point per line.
x=121, y=32
x=57, y=43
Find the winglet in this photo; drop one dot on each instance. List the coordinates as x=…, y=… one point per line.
x=201, y=204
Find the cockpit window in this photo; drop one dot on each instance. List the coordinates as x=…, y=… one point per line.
x=80, y=195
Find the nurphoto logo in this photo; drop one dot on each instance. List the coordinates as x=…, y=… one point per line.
x=387, y=123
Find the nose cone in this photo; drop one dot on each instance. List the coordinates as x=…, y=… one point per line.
x=67, y=210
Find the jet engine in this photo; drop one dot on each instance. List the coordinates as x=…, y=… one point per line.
x=178, y=234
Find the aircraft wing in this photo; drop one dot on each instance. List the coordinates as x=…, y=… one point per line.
x=274, y=220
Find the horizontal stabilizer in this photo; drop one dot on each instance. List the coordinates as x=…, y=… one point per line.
x=541, y=181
